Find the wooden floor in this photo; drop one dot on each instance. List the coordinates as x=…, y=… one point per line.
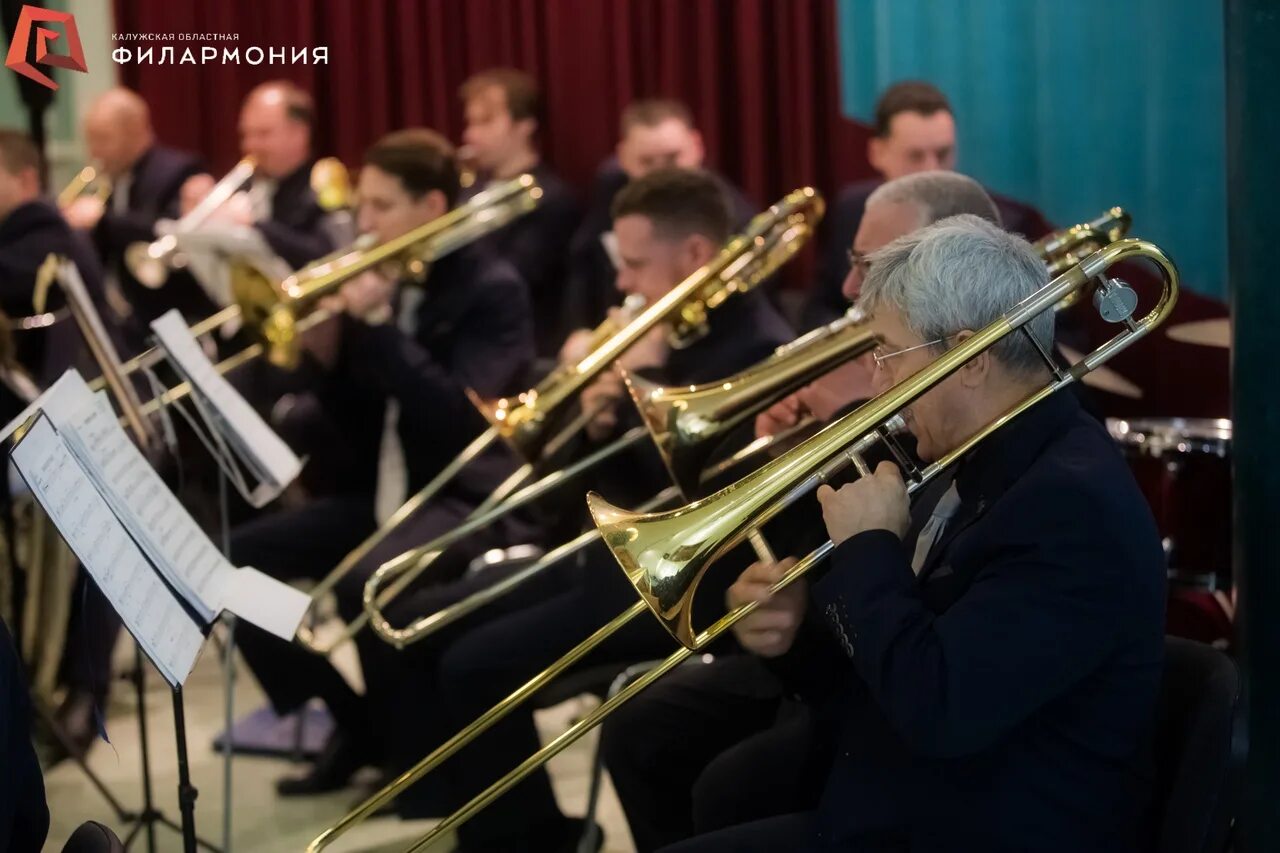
x=261, y=821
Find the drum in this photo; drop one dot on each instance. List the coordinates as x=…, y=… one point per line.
x=1184, y=468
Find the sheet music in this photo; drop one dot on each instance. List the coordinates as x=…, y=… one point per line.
x=165, y=630
x=266, y=455
x=113, y=468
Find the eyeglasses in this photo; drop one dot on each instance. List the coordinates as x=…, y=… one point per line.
x=881, y=354
x=858, y=261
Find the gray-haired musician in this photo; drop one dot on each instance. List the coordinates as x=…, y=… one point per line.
x=989, y=664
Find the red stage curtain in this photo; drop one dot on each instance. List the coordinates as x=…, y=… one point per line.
x=760, y=75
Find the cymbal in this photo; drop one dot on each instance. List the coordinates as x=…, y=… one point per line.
x=1205, y=333
x=1104, y=378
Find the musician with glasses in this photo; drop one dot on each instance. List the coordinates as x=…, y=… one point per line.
x=389, y=382
x=716, y=744
x=988, y=668
x=502, y=108
x=146, y=178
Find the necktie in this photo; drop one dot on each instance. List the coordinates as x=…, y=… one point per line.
x=393, y=476
x=932, y=530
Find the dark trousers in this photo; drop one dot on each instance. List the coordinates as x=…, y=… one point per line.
x=92, y=631
x=488, y=663
x=791, y=832
x=708, y=747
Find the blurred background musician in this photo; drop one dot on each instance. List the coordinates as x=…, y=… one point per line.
x=276, y=125
x=145, y=178
x=654, y=133
x=915, y=131
x=715, y=745
x=391, y=382
x=668, y=224
x=949, y=734
x=502, y=108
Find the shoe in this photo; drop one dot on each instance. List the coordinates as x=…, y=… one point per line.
x=341, y=757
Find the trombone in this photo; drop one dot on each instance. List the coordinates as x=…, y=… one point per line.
x=92, y=180
x=274, y=308
x=665, y=555
x=527, y=421
x=686, y=424
x=151, y=263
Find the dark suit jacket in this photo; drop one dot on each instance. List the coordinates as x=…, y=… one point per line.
x=537, y=245
x=154, y=194
x=841, y=224
x=27, y=236
x=24, y=814
x=299, y=230
x=591, y=273
x=1002, y=700
x=473, y=332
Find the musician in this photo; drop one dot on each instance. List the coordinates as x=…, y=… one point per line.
x=914, y=131
x=393, y=385
x=146, y=178
x=24, y=813
x=502, y=108
x=989, y=668
x=717, y=744
x=277, y=121
x=653, y=134
x=668, y=224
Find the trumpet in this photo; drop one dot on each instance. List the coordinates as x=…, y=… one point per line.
x=151, y=263
x=527, y=421
x=92, y=180
x=685, y=424
x=665, y=555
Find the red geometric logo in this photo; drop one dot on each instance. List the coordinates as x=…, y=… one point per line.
x=17, y=58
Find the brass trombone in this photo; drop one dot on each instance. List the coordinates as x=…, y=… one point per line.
x=687, y=424
x=529, y=421
x=665, y=555
x=151, y=263
x=1065, y=248
x=92, y=180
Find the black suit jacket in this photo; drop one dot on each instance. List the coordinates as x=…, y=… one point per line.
x=537, y=245
x=473, y=331
x=841, y=224
x=24, y=814
x=157, y=180
x=591, y=273
x=1001, y=700
x=299, y=230
x=27, y=235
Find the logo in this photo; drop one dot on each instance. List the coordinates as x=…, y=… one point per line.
x=45, y=37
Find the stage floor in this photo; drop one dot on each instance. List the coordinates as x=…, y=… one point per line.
x=261, y=821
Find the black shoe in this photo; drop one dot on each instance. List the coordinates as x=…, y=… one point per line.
x=341, y=757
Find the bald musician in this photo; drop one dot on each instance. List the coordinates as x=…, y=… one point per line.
x=146, y=178
x=277, y=121
x=503, y=111
x=653, y=134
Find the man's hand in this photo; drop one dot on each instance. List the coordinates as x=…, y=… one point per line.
x=878, y=502
x=771, y=628
x=84, y=212
x=368, y=296
x=601, y=399
x=781, y=416
x=650, y=351
x=193, y=191
x=836, y=389
x=576, y=346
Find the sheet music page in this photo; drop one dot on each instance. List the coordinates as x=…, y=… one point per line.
x=249, y=431
x=166, y=631
x=152, y=514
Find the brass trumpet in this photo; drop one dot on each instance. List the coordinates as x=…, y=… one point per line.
x=686, y=424
x=529, y=421
x=92, y=180
x=151, y=263
x=665, y=555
